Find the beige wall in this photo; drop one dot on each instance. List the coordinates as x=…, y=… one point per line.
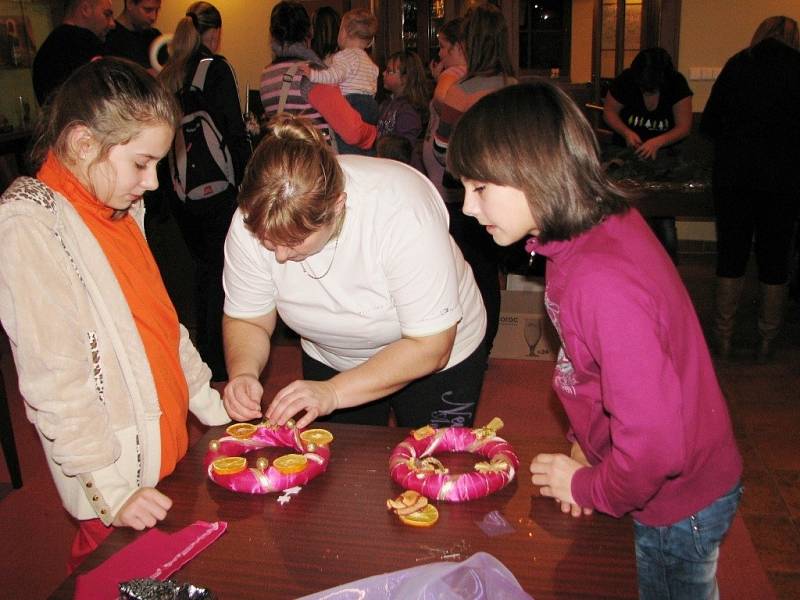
x=245, y=33
x=713, y=30
x=581, y=43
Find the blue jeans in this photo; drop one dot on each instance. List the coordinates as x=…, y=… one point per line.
x=679, y=561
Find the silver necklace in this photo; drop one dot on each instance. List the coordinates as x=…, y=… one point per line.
x=311, y=273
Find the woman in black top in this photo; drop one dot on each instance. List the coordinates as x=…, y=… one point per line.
x=204, y=223
x=649, y=106
x=753, y=116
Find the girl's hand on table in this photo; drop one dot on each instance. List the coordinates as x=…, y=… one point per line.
x=316, y=398
x=553, y=472
x=145, y=508
x=242, y=398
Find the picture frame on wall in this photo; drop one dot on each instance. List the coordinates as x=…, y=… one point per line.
x=17, y=45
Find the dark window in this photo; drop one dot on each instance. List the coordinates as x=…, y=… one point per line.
x=544, y=29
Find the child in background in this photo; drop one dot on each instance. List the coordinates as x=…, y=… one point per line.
x=107, y=372
x=352, y=68
x=395, y=147
x=650, y=427
x=405, y=111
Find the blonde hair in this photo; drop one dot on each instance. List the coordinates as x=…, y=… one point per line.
x=292, y=183
x=360, y=23
x=114, y=98
x=778, y=28
x=200, y=17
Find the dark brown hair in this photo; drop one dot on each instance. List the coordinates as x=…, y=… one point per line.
x=534, y=138
x=292, y=183
x=289, y=23
x=416, y=88
x=485, y=37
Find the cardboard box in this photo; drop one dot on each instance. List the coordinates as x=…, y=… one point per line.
x=523, y=283
x=525, y=330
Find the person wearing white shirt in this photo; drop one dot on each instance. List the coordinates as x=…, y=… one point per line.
x=354, y=255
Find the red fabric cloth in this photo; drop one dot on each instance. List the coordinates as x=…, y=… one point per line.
x=154, y=555
x=344, y=119
x=90, y=535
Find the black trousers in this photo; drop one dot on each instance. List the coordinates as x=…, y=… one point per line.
x=481, y=254
x=446, y=398
x=746, y=215
x=204, y=225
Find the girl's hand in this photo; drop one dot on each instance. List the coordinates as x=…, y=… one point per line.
x=242, y=398
x=304, y=69
x=144, y=509
x=316, y=398
x=553, y=472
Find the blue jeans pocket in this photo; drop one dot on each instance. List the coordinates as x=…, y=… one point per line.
x=711, y=524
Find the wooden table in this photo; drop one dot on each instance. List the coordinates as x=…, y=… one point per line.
x=337, y=529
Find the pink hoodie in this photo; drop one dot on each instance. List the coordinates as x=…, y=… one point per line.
x=635, y=377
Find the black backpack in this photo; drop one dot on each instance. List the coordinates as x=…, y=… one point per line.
x=199, y=162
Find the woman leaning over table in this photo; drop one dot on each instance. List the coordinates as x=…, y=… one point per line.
x=354, y=255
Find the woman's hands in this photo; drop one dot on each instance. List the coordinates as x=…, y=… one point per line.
x=242, y=398
x=553, y=472
x=144, y=509
x=316, y=398
x=632, y=139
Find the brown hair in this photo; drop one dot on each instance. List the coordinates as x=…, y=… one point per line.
x=360, y=23
x=113, y=98
x=778, y=28
x=484, y=34
x=292, y=183
x=416, y=88
x=542, y=144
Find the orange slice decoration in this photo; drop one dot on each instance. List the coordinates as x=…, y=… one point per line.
x=290, y=463
x=426, y=517
x=320, y=437
x=241, y=431
x=229, y=465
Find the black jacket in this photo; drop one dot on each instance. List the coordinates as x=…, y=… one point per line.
x=753, y=117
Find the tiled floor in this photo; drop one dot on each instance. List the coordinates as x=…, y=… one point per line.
x=765, y=405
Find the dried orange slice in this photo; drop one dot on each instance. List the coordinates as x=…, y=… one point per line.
x=425, y=517
x=290, y=463
x=241, y=431
x=228, y=465
x=423, y=432
x=320, y=437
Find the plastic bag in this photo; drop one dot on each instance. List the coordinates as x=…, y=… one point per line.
x=480, y=577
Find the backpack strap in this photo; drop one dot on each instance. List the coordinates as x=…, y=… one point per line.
x=288, y=77
x=199, y=79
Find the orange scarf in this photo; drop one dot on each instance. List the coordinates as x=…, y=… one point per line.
x=138, y=276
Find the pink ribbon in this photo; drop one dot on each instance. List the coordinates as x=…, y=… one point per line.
x=446, y=486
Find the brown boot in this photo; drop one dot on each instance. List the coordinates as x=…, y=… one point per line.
x=729, y=291
x=770, y=316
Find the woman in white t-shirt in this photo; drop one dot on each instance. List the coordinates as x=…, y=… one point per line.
x=354, y=255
